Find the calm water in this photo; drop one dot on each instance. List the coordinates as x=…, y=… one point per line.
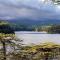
x=37, y=37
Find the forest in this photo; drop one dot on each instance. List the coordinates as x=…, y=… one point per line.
x=51, y=28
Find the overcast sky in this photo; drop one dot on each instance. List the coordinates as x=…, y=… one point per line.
x=32, y=9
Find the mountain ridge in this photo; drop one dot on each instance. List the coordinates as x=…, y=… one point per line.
x=35, y=22
x=25, y=21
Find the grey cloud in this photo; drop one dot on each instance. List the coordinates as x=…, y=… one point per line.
x=13, y=9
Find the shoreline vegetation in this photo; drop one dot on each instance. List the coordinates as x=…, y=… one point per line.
x=18, y=51
x=44, y=51
x=50, y=29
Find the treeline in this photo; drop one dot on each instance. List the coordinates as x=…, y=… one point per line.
x=10, y=27
x=54, y=29
x=23, y=27
x=47, y=28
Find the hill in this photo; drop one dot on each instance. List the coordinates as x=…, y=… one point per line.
x=31, y=22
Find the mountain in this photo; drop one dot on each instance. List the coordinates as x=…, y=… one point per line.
x=34, y=22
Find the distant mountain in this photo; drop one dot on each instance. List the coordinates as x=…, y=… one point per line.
x=34, y=22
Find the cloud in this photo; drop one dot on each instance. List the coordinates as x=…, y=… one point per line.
x=32, y=9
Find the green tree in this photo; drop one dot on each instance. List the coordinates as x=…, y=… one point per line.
x=6, y=34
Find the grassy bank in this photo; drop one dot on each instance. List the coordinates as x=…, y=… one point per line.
x=45, y=51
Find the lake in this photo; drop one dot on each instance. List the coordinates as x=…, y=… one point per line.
x=37, y=37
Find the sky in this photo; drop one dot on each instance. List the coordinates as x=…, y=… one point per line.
x=32, y=9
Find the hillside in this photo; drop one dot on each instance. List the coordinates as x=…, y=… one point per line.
x=34, y=22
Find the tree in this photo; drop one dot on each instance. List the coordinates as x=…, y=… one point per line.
x=55, y=29
x=6, y=34
x=57, y=2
